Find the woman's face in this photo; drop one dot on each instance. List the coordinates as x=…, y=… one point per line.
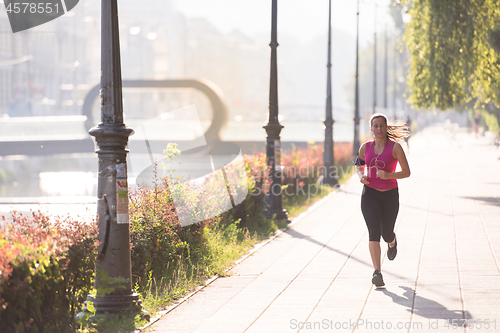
x=379, y=128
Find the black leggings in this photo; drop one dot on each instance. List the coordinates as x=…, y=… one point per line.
x=380, y=210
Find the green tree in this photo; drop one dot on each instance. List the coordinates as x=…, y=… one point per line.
x=455, y=54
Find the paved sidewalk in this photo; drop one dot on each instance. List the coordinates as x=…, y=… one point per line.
x=317, y=275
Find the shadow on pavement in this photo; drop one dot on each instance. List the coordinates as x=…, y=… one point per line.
x=490, y=200
x=297, y=234
x=425, y=307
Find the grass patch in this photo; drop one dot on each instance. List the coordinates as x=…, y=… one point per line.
x=119, y=323
x=224, y=245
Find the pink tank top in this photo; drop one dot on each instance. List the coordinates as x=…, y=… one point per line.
x=385, y=161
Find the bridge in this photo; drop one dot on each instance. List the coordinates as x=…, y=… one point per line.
x=69, y=134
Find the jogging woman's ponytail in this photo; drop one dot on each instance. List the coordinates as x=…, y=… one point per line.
x=395, y=132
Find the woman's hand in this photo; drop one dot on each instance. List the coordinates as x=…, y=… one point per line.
x=364, y=180
x=382, y=174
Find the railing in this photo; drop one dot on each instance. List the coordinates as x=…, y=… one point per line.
x=214, y=94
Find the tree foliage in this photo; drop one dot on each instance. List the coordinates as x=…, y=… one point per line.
x=455, y=52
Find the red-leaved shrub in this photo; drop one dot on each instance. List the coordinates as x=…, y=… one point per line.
x=46, y=268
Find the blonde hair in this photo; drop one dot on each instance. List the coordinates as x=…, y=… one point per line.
x=395, y=132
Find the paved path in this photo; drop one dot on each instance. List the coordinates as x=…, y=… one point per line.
x=317, y=275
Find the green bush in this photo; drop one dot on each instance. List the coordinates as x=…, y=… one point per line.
x=7, y=177
x=159, y=244
x=491, y=122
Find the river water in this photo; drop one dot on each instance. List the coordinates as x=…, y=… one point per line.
x=62, y=184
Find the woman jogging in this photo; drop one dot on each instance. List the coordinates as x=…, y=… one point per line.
x=380, y=198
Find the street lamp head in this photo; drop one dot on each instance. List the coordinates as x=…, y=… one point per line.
x=135, y=30
x=152, y=35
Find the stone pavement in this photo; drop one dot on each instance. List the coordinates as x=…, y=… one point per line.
x=316, y=276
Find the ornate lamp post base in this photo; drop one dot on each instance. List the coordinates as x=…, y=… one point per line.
x=274, y=200
x=115, y=305
x=330, y=181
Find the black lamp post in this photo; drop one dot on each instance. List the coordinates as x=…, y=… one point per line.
x=113, y=265
x=274, y=202
x=394, y=77
x=356, y=141
x=375, y=64
x=406, y=19
x=328, y=157
x=385, y=68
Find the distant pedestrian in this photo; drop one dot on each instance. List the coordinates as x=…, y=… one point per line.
x=475, y=125
x=380, y=197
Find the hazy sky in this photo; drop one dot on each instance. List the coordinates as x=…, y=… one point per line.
x=302, y=18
